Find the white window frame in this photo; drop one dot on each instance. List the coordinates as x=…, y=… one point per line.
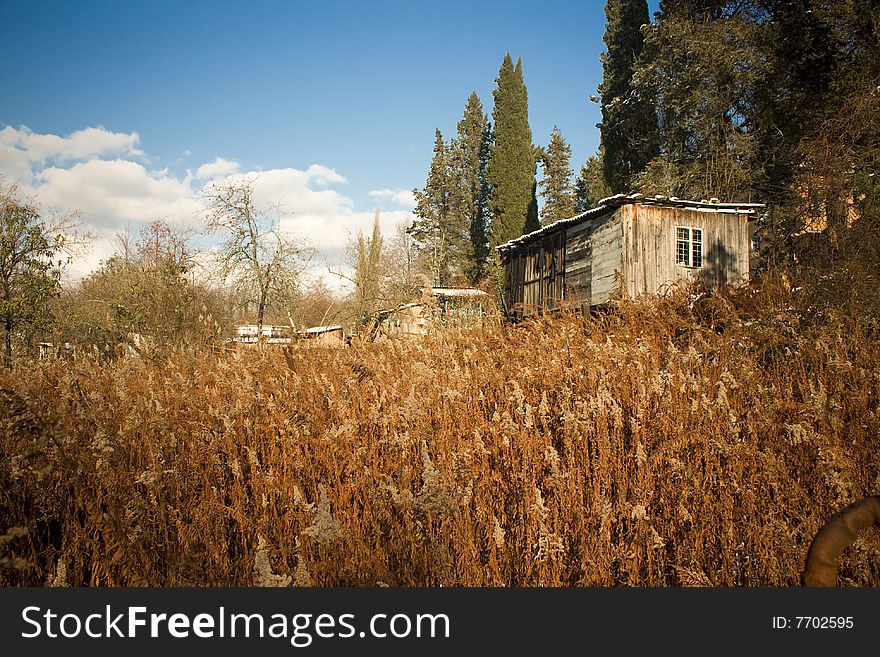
x=689, y=247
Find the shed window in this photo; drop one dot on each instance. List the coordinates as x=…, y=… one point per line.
x=688, y=247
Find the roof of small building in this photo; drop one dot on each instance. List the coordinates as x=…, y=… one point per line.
x=613, y=202
x=267, y=328
x=323, y=329
x=458, y=292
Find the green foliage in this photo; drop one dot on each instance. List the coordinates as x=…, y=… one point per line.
x=367, y=277
x=790, y=98
x=701, y=71
x=768, y=100
x=590, y=186
x=142, y=296
x=556, y=186
x=629, y=125
x=29, y=276
x=433, y=227
x=512, y=158
x=469, y=161
x=836, y=195
x=385, y=275
x=452, y=209
x=813, y=124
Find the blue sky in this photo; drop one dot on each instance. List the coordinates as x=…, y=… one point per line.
x=351, y=91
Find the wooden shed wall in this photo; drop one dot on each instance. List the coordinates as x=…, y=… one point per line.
x=578, y=264
x=606, y=257
x=534, y=274
x=593, y=261
x=649, y=243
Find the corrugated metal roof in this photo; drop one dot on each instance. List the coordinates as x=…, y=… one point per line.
x=613, y=202
x=324, y=329
x=458, y=292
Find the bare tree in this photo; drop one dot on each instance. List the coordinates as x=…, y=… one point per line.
x=402, y=279
x=260, y=261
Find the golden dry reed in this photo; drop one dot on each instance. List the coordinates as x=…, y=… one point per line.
x=679, y=442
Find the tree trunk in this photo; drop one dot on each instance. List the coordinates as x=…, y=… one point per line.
x=7, y=350
x=261, y=311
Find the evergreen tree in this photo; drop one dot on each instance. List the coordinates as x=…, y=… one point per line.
x=590, y=187
x=512, y=159
x=532, y=220
x=431, y=228
x=699, y=62
x=821, y=60
x=470, y=189
x=807, y=42
x=748, y=94
x=629, y=125
x=698, y=10
x=556, y=185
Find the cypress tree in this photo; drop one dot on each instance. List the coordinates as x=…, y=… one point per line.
x=629, y=124
x=512, y=159
x=556, y=186
x=532, y=221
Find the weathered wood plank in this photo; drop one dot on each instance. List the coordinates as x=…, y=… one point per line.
x=607, y=259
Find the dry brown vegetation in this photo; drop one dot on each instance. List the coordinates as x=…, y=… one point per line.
x=676, y=442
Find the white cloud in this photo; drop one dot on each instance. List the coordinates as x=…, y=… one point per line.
x=100, y=248
x=14, y=163
x=103, y=176
x=113, y=193
x=218, y=168
x=402, y=197
x=79, y=145
x=23, y=152
x=322, y=175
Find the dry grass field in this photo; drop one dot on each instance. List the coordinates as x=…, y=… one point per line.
x=676, y=442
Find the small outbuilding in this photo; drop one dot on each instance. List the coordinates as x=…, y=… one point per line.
x=461, y=306
x=627, y=246
x=322, y=336
x=251, y=334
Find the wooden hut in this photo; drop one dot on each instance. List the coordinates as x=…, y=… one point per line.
x=627, y=246
x=405, y=319
x=461, y=306
x=322, y=336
